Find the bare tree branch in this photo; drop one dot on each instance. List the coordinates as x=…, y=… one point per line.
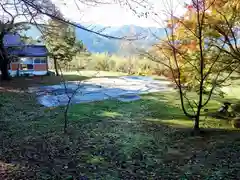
x=37, y=7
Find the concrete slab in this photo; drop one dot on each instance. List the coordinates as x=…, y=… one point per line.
x=126, y=88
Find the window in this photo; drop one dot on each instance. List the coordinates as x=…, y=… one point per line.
x=26, y=66
x=40, y=60
x=43, y=61
x=29, y=66
x=26, y=60
x=37, y=61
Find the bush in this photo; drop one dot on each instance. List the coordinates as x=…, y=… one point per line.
x=106, y=62
x=236, y=108
x=126, y=65
x=101, y=63
x=236, y=122
x=121, y=66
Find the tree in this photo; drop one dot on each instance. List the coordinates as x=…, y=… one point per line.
x=190, y=54
x=61, y=42
x=225, y=19
x=28, y=40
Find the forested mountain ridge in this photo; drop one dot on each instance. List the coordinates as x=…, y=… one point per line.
x=145, y=38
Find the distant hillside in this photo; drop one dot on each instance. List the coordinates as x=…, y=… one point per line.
x=97, y=44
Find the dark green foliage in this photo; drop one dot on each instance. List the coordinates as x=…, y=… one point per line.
x=61, y=42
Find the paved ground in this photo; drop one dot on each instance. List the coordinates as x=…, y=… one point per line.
x=126, y=88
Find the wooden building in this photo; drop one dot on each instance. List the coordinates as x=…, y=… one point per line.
x=30, y=59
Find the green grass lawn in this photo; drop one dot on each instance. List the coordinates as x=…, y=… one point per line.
x=145, y=139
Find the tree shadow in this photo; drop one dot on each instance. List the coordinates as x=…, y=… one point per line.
x=24, y=82
x=110, y=139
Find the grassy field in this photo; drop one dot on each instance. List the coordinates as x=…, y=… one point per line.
x=145, y=139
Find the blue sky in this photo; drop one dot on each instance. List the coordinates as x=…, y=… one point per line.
x=115, y=15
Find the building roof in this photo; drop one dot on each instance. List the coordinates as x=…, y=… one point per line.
x=15, y=46
x=12, y=40
x=29, y=50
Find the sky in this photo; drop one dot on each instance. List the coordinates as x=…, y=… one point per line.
x=115, y=15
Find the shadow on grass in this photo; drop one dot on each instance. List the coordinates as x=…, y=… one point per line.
x=110, y=140
x=24, y=82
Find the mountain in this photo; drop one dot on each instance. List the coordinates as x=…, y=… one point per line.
x=143, y=38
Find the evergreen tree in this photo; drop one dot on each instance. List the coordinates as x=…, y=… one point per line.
x=61, y=42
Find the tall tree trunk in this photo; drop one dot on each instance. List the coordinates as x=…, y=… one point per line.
x=4, y=62
x=56, y=66
x=4, y=70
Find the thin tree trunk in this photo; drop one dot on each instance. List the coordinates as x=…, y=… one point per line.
x=202, y=66
x=56, y=66
x=196, y=122
x=18, y=69
x=66, y=116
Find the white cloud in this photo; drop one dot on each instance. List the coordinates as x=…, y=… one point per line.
x=115, y=15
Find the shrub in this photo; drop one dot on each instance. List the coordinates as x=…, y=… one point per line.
x=106, y=62
x=100, y=62
x=236, y=122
